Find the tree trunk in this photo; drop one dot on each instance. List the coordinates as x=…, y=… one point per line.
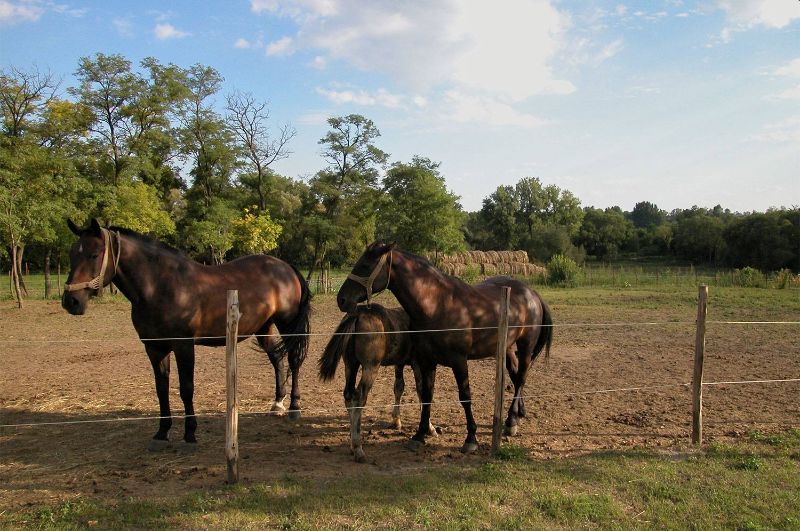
x=20, y=253
x=15, y=274
x=48, y=289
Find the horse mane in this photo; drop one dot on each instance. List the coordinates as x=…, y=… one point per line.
x=148, y=241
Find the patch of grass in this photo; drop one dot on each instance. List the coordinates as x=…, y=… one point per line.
x=511, y=452
x=752, y=484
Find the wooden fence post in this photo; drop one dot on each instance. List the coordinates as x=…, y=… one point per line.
x=500, y=369
x=232, y=418
x=699, y=354
x=60, y=286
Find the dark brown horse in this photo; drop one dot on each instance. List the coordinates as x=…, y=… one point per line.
x=369, y=337
x=177, y=303
x=435, y=301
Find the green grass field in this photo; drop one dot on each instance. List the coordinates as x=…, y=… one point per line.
x=752, y=484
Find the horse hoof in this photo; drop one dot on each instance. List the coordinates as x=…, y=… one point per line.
x=433, y=431
x=414, y=445
x=396, y=424
x=469, y=448
x=510, y=430
x=359, y=455
x=294, y=414
x=188, y=448
x=278, y=408
x=157, y=445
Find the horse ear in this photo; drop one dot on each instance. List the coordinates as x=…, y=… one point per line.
x=74, y=228
x=95, y=226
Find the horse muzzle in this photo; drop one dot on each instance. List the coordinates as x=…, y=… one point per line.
x=73, y=304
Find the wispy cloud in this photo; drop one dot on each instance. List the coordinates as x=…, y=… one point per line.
x=790, y=69
x=743, y=15
x=166, y=31
x=19, y=12
x=123, y=26
x=381, y=97
x=787, y=130
x=280, y=47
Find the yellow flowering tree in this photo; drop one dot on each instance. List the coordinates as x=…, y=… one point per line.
x=256, y=233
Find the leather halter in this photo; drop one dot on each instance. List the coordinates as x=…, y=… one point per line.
x=368, y=281
x=97, y=282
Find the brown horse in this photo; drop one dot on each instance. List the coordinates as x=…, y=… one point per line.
x=177, y=303
x=369, y=337
x=435, y=301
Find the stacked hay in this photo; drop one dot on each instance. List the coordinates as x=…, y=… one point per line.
x=490, y=263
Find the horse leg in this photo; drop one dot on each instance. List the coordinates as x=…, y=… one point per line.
x=294, y=367
x=399, y=387
x=184, y=358
x=351, y=404
x=425, y=377
x=461, y=373
x=159, y=359
x=368, y=374
x=518, y=371
x=268, y=342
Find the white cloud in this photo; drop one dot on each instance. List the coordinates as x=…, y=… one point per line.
x=472, y=46
x=18, y=12
x=167, y=31
x=123, y=26
x=282, y=46
x=242, y=44
x=743, y=15
x=319, y=62
x=381, y=97
x=790, y=69
x=787, y=130
x=789, y=94
x=468, y=109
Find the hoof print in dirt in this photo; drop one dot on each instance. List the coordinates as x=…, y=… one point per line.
x=157, y=445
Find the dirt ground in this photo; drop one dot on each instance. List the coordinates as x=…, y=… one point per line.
x=69, y=371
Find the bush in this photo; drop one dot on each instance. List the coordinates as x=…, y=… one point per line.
x=562, y=271
x=748, y=277
x=786, y=279
x=471, y=274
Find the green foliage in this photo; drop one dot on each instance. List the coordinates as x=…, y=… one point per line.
x=419, y=214
x=748, y=278
x=255, y=233
x=136, y=206
x=471, y=274
x=699, y=238
x=646, y=215
x=604, y=232
x=785, y=279
x=562, y=271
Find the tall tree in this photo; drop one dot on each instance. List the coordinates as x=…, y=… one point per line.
x=419, y=213
x=248, y=119
x=646, y=214
x=345, y=191
x=107, y=87
x=205, y=139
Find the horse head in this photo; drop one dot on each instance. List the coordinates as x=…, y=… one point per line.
x=373, y=268
x=89, y=259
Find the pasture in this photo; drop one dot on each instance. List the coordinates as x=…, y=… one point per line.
x=581, y=456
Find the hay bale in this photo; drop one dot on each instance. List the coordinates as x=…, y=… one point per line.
x=493, y=257
x=521, y=256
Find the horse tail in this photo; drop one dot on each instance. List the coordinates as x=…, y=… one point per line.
x=294, y=340
x=545, y=334
x=336, y=347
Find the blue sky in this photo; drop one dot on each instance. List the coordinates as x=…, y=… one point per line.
x=677, y=102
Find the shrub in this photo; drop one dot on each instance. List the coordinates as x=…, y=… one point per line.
x=562, y=271
x=471, y=273
x=747, y=277
x=786, y=279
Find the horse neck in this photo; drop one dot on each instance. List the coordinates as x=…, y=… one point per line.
x=138, y=272
x=416, y=284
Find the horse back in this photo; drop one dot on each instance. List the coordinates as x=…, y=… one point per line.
x=380, y=336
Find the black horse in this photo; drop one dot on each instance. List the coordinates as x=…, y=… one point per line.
x=369, y=337
x=177, y=303
x=435, y=301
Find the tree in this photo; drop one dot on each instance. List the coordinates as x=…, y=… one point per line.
x=419, y=213
x=345, y=192
x=107, y=87
x=768, y=241
x=499, y=214
x=698, y=238
x=604, y=232
x=206, y=140
x=211, y=236
x=136, y=206
x=646, y=214
x=255, y=233
x=248, y=120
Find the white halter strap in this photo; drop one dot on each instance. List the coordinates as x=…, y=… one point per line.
x=368, y=281
x=97, y=282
